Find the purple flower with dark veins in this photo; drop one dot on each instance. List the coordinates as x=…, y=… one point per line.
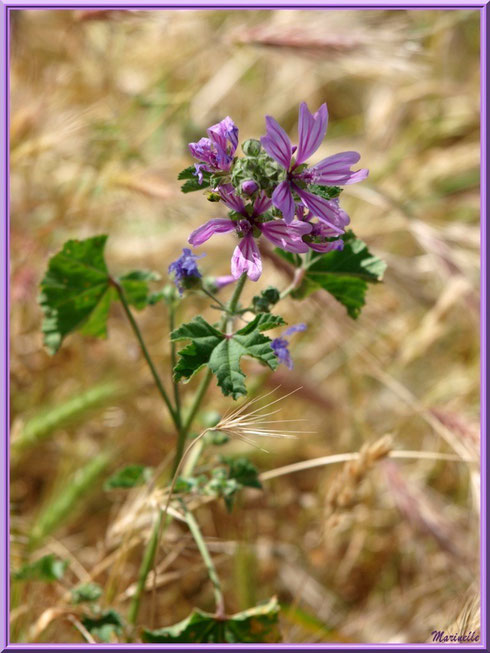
x=246, y=256
x=332, y=171
x=280, y=346
x=184, y=270
x=320, y=237
x=215, y=153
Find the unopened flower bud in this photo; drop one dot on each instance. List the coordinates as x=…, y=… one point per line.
x=249, y=186
x=251, y=147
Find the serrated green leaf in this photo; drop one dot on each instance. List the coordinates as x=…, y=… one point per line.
x=262, y=322
x=327, y=192
x=135, y=286
x=224, y=361
x=104, y=626
x=349, y=291
x=344, y=274
x=128, y=477
x=86, y=593
x=192, y=181
x=48, y=568
x=256, y=625
x=187, y=173
x=73, y=291
x=221, y=353
x=76, y=292
x=243, y=471
x=355, y=260
x=205, y=338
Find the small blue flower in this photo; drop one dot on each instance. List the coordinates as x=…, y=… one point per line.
x=280, y=346
x=184, y=270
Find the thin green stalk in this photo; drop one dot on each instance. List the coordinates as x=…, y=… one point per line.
x=173, y=354
x=232, y=306
x=151, y=547
x=203, y=386
x=146, y=565
x=212, y=573
x=215, y=299
x=144, y=350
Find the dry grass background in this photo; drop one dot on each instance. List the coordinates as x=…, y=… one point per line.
x=102, y=106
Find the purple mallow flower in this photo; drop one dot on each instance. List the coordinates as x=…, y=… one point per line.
x=215, y=153
x=246, y=257
x=320, y=237
x=332, y=171
x=280, y=346
x=184, y=270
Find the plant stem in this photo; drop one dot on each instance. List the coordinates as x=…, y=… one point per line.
x=203, y=386
x=233, y=303
x=151, y=547
x=212, y=573
x=144, y=350
x=173, y=356
x=146, y=565
x=215, y=299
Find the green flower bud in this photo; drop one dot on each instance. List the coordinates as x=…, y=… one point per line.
x=252, y=147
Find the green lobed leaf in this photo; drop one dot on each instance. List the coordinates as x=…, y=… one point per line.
x=86, y=593
x=205, y=338
x=104, y=625
x=192, y=181
x=262, y=322
x=48, y=568
x=257, y=624
x=224, y=361
x=243, y=471
x=344, y=274
x=223, y=353
x=74, y=291
x=128, y=477
x=327, y=192
x=135, y=286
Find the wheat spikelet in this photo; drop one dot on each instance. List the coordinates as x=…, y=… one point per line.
x=468, y=619
x=343, y=492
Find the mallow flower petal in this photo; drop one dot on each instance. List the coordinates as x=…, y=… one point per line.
x=262, y=204
x=286, y=236
x=203, y=150
x=282, y=199
x=276, y=142
x=324, y=248
x=246, y=258
x=311, y=131
x=326, y=210
x=223, y=132
x=335, y=170
x=211, y=227
x=231, y=199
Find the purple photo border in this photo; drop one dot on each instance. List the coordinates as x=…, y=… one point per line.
x=5, y=8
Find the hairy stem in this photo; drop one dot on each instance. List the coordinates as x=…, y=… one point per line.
x=146, y=565
x=144, y=350
x=173, y=357
x=215, y=299
x=212, y=573
x=227, y=318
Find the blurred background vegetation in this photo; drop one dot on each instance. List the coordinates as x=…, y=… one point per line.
x=103, y=104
